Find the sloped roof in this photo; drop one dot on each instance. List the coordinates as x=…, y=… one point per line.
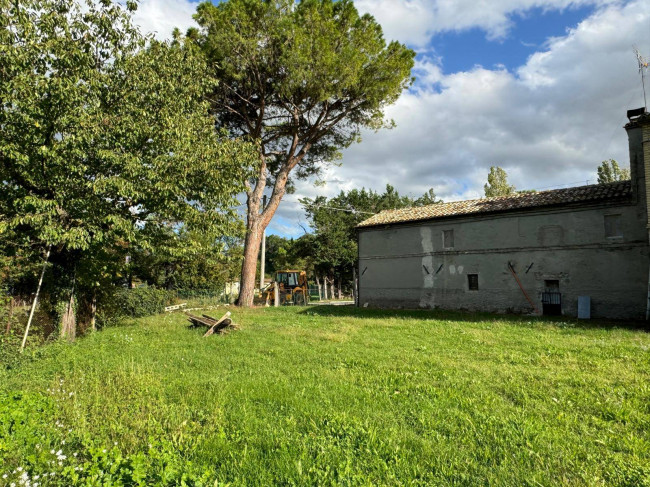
x=594, y=192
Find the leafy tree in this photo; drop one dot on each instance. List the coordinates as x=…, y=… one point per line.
x=428, y=198
x=497, y=184
x=609, y=172
x=301, y=79
x=204, y=272
x=333, y=246
x=281, y=253
x=107, y=141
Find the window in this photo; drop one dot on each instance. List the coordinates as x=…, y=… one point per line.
x=448, y=239
x=613, y=226
x=289, y=279
x=552, y=286
x=472, y=282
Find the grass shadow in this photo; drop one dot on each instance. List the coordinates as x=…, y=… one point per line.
x=472, y=317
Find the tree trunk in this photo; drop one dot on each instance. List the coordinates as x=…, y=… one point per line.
x=320, y=292
x=332, y=289
x=93, y=311
x=249, y=266
x=257, y=222
x=68, y=321
x=11, y=314
x=339, y=289
x=325, y=288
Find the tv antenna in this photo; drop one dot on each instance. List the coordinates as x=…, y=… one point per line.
x=643, y=67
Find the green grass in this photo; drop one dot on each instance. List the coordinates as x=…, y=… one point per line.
x=335, y=396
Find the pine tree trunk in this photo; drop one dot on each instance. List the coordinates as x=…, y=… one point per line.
x=249, y=266
x=257, y=222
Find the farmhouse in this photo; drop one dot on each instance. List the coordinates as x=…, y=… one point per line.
x=577, y=251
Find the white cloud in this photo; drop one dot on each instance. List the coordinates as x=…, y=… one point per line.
x=409, y=21
x=160, y=17
x=548, y=123
x=415, y=21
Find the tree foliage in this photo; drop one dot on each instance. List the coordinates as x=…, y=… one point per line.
x=283, y=253
x=428, y=198
x=333, y=245
x=206, y=273
x=497, y=183
x=302, y=79
x=609, y=171
x=107, y=143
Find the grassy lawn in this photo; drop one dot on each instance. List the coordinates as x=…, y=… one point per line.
x=334, y=396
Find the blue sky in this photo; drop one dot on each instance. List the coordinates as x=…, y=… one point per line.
x=461, y=51
x=538, y=87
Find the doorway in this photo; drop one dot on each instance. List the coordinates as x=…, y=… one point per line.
x=552, y=298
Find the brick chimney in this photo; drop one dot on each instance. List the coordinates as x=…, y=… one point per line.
x=638, y=132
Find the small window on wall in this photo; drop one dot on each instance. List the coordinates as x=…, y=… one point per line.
x=472, y=282
x=448, y=239
x=552, y=286
x=613, y=226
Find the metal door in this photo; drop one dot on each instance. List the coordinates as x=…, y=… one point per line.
x=552, y=298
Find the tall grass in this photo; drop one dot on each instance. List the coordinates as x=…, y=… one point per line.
x=335, y=396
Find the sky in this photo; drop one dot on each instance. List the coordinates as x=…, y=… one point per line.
x=538, y=87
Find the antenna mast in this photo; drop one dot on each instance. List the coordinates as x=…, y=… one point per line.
x=643, y=67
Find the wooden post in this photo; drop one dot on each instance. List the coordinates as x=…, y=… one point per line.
x=38, y=291
x=276, y=295
x=354, y=284
x=218, y=322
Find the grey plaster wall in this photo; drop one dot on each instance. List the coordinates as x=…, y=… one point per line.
x=407, y=266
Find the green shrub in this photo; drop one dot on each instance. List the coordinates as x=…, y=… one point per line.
x=132, y=303
x=9, y=350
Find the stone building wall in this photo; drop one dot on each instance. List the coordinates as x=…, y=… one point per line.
x=597, y=249
x=409, y=266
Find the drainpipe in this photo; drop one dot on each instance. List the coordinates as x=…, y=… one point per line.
x=645, y=140
x=647, y=307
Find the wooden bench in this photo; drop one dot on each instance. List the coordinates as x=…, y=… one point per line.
x=214, y=326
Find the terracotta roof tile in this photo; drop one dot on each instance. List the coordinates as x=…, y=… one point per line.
x=594, y=192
